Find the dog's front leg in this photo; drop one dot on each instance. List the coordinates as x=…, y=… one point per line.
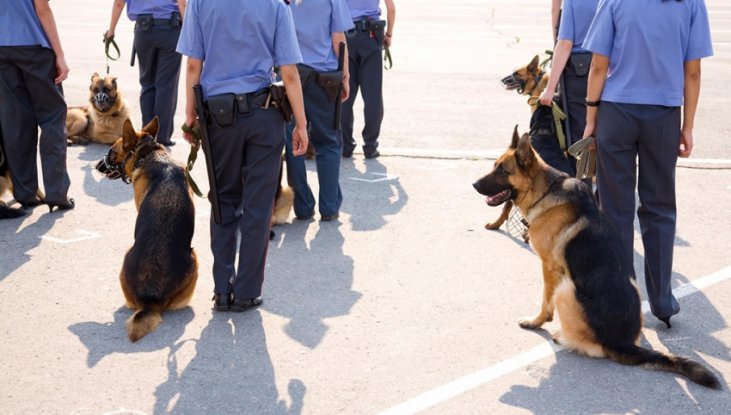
x=503, y=216
x=550, y=282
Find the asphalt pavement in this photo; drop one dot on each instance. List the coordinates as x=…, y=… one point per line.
x=404, y=305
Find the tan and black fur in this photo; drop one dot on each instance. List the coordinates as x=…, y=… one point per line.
x=161, y=268
x=528, y=80
x=584, y=277
x=102, y=120
x=283, y=199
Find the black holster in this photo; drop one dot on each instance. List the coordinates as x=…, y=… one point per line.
x=378, y=29
x=279, y=100
x=331, y=83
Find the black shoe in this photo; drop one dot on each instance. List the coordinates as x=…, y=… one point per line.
x=67, y=204
x=666, y=320
x=373, y=155
x=243, y=304
x=305, y=217
x=30, y=203
x=347, y=154
x=222, y=302
x=167, y=143
x=329, y=218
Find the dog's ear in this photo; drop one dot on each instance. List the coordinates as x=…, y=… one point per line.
x=113, y=80
x=516, y=137
x=524, y=152
x=533, y=65
x=152, y=127
x=129, y=136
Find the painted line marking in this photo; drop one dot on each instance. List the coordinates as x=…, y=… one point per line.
x=385, y=177
x=482, y=376
x=87, y=235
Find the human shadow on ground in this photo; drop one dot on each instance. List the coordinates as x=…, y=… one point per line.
x=597, y=386
x=106, y=338
x=231, y=373
x=309, y=284
x=371, y=194
x=18, y=240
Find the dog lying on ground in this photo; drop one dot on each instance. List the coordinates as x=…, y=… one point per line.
x=160, y=270
x=102, y=120
x=584, y=277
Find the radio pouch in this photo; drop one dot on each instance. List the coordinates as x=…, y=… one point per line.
x=330, y=82
x=221, y=108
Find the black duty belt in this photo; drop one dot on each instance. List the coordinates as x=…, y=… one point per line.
x=362, y=25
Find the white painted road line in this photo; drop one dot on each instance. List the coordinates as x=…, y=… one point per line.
x=473, y=380
x=87, y=235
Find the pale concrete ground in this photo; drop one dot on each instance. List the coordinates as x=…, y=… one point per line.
x=406, y=305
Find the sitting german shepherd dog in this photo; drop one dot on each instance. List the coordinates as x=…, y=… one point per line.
x=584, y=276
x=102, y=120
x=161, y=268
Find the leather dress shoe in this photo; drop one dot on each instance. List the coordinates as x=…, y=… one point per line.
x=373, y=155
x=27, y=204
x=243, y=304
x=328, y=218
x=67, y=204
x=222, y=302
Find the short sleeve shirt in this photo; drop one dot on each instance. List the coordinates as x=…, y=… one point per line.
x=576, y=17
x=315, y=21
x=159, y=9
x=19, y=25
x=363, y=9
x=646, y=58
x=240, y=45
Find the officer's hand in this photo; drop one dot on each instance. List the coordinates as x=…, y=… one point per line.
x=345, y=90
x=546, y=98
x=686, y=143
x=387, y=41
x=191, y=123
x=62, y=70
x=299, y=140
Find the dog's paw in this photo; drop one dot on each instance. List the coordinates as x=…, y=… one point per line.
x=493, y=225
x=557, y=338
x=531, y=323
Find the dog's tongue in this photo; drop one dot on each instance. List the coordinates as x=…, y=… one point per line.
x=497, y=199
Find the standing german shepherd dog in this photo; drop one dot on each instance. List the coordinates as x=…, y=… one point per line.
x=584, y=276
x=161, y=268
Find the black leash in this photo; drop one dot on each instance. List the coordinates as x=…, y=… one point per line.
x=110, y=41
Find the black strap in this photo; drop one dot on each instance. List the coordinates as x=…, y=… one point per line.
x=110, y=41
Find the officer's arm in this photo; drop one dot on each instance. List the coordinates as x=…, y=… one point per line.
x=192, y=78
x=594, y=87
x=291, y=79
x=182, y=4
x=390, y=20
x=45, y=17
x=555, y=13
x=117, y=8
x=337, y=39
x=691, y=91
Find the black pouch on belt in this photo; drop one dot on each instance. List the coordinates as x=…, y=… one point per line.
x=330, y=82
x=144, y=21
x=280, y=100
x=221, y=108
x=580, y=63
x=378, y=28
x=306, y=74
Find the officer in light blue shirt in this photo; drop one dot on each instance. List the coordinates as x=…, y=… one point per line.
x=642, y=73
x=365, y=44
x=32, y=67
x=321, y=26
x=157, y=27
x=570, y=65
x=232, y=49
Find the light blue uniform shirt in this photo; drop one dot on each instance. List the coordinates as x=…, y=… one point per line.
x=238, y=42
x=363, y=9
x=648, y=42
x=159, y=9
x=19, y=24
x=576, y=16
x=315, y=21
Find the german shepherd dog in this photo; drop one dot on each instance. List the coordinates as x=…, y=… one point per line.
x=160, y=270
x=102, y=120
x=6, y=212
x=584, y=276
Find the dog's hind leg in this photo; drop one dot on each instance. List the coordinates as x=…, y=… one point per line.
x=507, y=207
x=183, y=296
x=551, y=279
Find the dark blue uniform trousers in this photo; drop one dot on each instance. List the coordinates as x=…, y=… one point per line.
x=639, y=144
x=328, y=147
x=247, y=157
x=159, y=66
x=365, y=63
x=29, y=99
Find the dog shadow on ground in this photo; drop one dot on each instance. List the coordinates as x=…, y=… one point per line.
x=371, y=195
x=232, y=360
x=18, y=240
x=95, y=185
x=321, y=273
x=104, y=339
x=596, y=386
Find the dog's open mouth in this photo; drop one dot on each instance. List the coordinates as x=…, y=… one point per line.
x=499, y=198
x=510, y=82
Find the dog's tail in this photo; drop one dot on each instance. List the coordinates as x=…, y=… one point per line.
x=634, y=355
x=143, y=322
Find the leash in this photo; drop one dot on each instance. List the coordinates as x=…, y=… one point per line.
x=388, y=61
x=584, y=151
x=110, y=41
x=558, y=116
x=195, y=134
